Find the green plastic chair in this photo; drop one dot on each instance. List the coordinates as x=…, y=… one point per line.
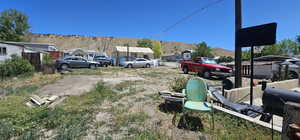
x=196, y=93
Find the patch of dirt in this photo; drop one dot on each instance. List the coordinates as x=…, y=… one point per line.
x=70, y=85
x=79, y=84
x=120, y=77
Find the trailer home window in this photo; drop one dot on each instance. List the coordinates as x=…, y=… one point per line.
x=3, y=51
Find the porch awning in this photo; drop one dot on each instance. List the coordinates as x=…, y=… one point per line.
x=134, y=49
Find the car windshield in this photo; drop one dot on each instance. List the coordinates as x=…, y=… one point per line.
x=209, y=61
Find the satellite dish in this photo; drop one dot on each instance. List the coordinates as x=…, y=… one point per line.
x=227, y=84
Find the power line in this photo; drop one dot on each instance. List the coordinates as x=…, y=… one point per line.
x=187, y=17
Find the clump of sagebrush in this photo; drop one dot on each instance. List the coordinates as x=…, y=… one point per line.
x=15, y=66
x=178, y=83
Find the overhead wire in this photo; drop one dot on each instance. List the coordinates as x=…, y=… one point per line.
x=187, y=17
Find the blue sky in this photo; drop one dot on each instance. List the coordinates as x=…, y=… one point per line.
x=146, y=18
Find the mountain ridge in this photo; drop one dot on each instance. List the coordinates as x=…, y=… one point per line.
x=107, y=43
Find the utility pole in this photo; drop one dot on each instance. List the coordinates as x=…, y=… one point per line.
x=238, y=49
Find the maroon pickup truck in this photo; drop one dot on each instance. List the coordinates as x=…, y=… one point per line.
x=205, y=67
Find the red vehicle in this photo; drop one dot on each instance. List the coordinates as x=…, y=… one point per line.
x=205, y=67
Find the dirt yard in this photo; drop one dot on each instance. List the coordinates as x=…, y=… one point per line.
x=121, y=103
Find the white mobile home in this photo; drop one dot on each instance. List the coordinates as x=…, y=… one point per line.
x=6, y=50
x=9, y=48
x=38, y=47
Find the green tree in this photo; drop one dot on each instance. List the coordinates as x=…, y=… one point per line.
x=284, y=47
x=246, y=55
x=225, y=59
x=289, y=47
x=156, y=49
x=13, y=25
x=146, y=43
x=202, y=50
x=298, y=39
x=272, y=50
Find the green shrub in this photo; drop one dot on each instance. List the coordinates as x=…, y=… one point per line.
x=178, y=83
x=15, y=66
x=47, y=59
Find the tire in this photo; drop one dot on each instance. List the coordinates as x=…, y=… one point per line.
x=92, y=66
x=148, y=65
x=292, y=75
x=185, y=70
x=129, y=66
x=106, y=65
x=64, y=66
x=206, y=74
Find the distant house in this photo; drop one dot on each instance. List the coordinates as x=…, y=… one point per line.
x=133, y=52
x=38, y=47
x=32, y=54
x=6, y=50
x=187, y=54
x=137, y=52
x=88, y=54
x=172, y=57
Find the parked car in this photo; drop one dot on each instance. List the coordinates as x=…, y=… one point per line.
x=206, y=67
x=103, y=60
x=293, y=68
x=75, y=62
x=138, y=62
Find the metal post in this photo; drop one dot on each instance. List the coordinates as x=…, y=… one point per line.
x=238, y=49
x=251, y=81
x=286, y=72
x=127, y=59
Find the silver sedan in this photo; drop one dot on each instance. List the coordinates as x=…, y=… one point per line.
x=137, y=63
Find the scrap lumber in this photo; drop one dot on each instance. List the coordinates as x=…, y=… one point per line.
x=37, y=100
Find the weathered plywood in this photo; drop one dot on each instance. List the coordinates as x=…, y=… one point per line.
x=250, y=119
x=291, y=116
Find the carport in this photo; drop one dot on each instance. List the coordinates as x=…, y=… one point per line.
x=133, y=52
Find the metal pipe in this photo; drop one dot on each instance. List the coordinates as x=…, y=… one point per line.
x=251, y=81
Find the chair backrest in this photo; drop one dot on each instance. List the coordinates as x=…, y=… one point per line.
x=196, y=90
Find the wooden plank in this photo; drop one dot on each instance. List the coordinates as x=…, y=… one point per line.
x=291, y=117
x=37, y=100
x=250, y=119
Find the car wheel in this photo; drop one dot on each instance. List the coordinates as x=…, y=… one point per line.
x=129, y=66
x=64, y=66
x=92, y=66
x=106, y=65
x=148, y=66
x=185, y=70
x=206, y=74
x=292, y=75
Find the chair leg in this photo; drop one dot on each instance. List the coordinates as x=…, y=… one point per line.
x=184, y=117
x=212, y=119
x=174, y=118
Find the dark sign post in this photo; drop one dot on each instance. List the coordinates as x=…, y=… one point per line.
x=256, y=36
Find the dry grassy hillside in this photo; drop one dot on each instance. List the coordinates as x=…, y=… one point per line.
x=222, y=52
x=106, y=44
